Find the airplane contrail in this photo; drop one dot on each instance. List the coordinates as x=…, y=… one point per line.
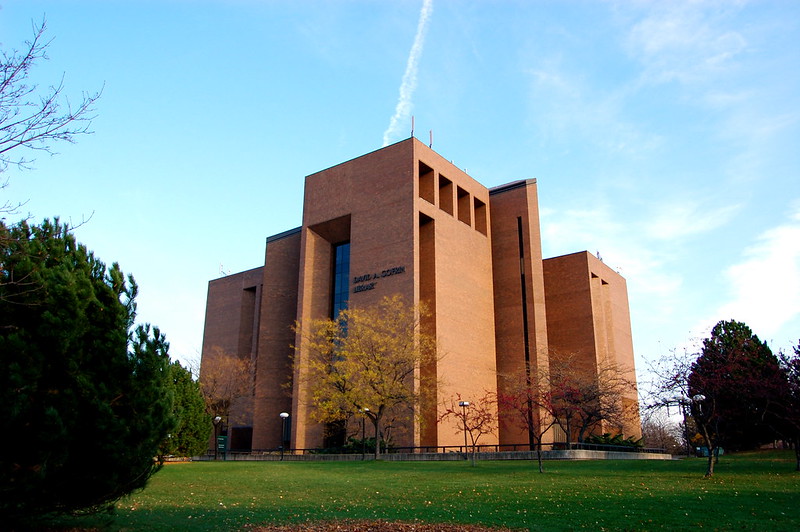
x=403, y=109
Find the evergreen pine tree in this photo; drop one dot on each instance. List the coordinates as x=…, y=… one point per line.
x=85, y=394
x=190, y=436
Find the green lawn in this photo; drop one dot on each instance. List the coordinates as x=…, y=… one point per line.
x=750, y=491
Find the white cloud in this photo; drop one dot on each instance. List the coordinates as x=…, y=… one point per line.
x=622, y=246
x=684, y=41
x=564, y=105
x=765, y=285
x=687, y=218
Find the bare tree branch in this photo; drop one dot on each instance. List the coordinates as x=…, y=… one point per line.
x=32, y=119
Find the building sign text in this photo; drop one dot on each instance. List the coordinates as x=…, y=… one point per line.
x=370, y=280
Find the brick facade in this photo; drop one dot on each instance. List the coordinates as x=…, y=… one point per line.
x=470, y=254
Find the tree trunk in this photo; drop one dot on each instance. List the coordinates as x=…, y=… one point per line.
x=711, y=449
x=710, y=467
x=474, y=454
x=539, y=455
x=581, y=434
x=376, y=422
x=569, y=434
x=797, y=453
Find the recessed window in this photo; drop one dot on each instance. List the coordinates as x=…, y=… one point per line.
x=446, y=195
x=464, y=206
x=480, y=216
x=341, y=278
x=427, y=186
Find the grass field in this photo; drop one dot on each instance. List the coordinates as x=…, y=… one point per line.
x=751, y=491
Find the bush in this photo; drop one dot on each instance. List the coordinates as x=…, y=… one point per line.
x=616, y=440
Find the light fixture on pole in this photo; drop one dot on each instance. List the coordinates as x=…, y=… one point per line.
x=698, y=400
x=216, y=422
x=284, y=416
x=363, y=432
x=464, y=405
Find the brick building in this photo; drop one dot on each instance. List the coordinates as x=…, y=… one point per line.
x=434, y=235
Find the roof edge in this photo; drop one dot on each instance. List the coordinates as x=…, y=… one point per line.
x=285, y=234
x=511, y=186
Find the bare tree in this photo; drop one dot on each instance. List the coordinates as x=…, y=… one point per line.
x=31, y=118
x=672, y=388
x=582, y=401
x=227, y=385
x=527, y=402
x=659, y=431
x=475, y=418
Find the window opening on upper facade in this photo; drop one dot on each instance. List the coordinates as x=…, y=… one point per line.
x=464, y=206
x=427, y=185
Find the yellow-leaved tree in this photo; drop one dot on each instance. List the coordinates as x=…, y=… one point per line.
x=368, y=362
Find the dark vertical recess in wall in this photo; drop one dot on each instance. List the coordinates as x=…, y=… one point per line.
x=247, y=315
x=525, y=331
x=427, y=296
x=241, y=431
x=336, y=432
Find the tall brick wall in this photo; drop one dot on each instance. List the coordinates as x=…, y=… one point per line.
x=276, y=337
x=521, y=337
x=473, y=256
x=233, y=312
x=454, y=260
x=588, y=320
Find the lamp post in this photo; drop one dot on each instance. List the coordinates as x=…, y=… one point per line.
x=284, y=416
x=364, y=432
x=698, y=400
x=216, y=422
x=464, y=405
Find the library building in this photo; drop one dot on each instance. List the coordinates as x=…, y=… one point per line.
x=435, y=236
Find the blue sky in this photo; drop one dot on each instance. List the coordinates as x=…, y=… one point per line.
x=665, y=135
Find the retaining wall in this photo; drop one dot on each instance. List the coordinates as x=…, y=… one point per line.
x=575, y=454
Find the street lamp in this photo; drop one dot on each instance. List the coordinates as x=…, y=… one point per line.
x=363, y=432
x=699, y=398
x=216, y=422
x=464, y=405
x=284, y=416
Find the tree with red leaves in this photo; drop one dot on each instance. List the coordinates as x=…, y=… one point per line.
x=736, y=386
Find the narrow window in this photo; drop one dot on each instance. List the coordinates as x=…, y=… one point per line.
x=341, y=278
